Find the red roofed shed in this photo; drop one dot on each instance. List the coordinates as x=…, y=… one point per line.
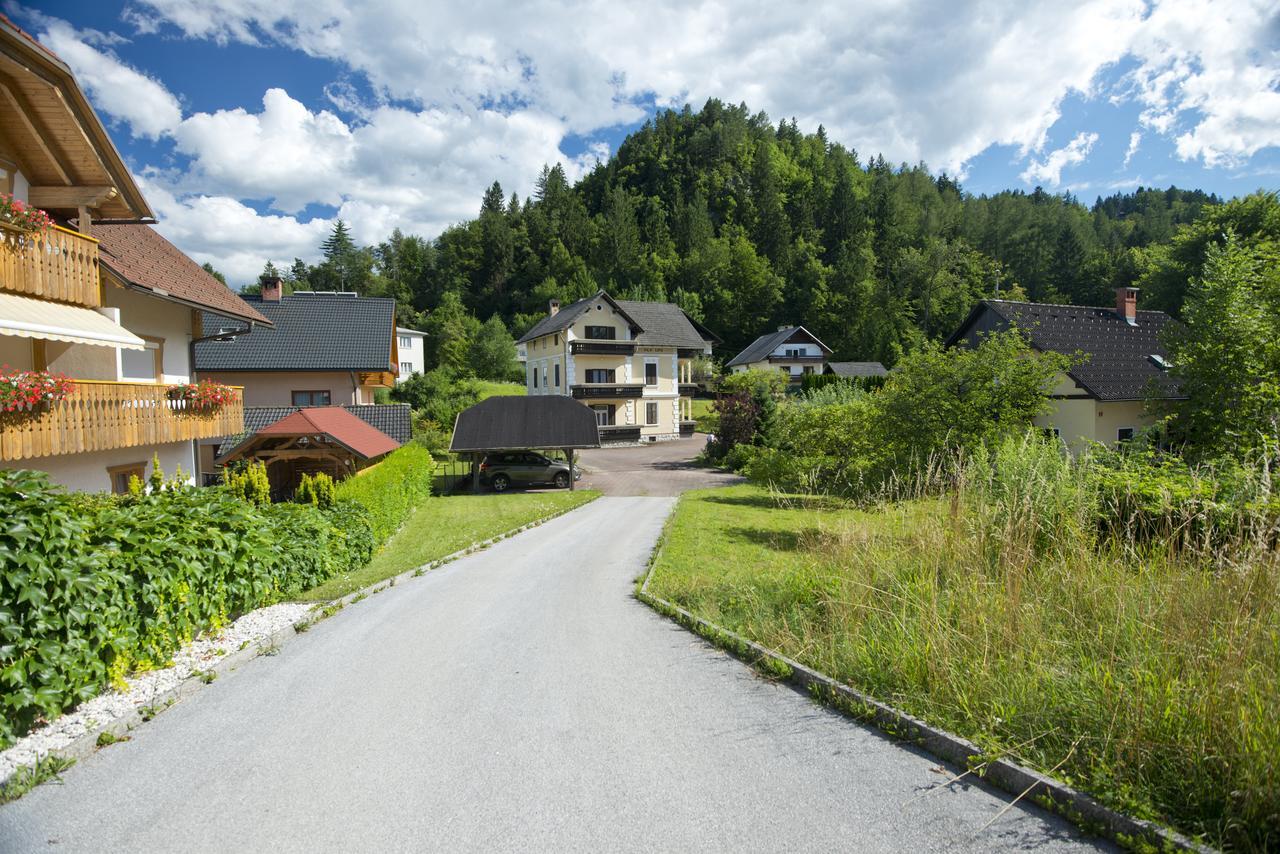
x=325, y=439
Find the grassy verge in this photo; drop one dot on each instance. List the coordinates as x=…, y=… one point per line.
x=1144, y=678
x=442, y=526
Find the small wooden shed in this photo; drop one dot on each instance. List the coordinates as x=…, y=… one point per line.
x=514, y=423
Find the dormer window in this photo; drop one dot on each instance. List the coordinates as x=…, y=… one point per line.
x=1159, y=361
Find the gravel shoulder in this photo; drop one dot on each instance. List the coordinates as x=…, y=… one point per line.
x=517, y=699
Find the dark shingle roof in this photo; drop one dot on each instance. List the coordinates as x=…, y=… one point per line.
x=313, y=332
x=857, y=369
x=142, y=257
x=656, y=324
x=394, y=419
x=1117, y=363
x=511, y=422
x=759, y=349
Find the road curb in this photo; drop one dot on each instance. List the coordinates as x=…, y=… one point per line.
x=86, y=744
x=1008, y=776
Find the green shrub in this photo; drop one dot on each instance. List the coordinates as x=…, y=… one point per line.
x=317, y=490
x=250, y=483
x=391, y=489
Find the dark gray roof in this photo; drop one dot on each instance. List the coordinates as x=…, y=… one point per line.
x=759, y=349
x=509, y=422
x=313, y=332
x=1117, y=363
x=857, y=369
x=655, y=324
x=394, y=419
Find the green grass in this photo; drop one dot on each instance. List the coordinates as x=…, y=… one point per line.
x=27, y=778
x=490, y=388
x=444, y=525
x=1142, y=676
x=708, y=421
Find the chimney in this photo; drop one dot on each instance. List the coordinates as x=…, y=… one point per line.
x=784, y=327
x=554, y=307
x=271, y=288
x=1127, y=305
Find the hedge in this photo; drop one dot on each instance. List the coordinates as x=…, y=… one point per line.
x=389, y=491
x=93, y=587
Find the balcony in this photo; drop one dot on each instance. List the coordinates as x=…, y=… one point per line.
x=688, y=389
x=585, y=391
x=58, y=265
x=600, y=347
x=798, y=360
x=101, y=415
x=687, y=428
x=619, y=433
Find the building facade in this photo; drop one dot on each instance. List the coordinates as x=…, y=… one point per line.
x=629, y=362
x=115, y=308
x=1122, y=362
x=793, y=350
x=412, y=352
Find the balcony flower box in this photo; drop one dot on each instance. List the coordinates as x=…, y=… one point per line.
x=204, y=396
x=28, y=391
x=17, y=215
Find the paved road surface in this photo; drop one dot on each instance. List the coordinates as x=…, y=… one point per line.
x=663, y=468
x=516, y=700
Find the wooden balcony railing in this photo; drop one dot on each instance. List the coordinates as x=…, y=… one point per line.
x=101, y=415
x=582, y=391
x=601, y=347
x=58, y=265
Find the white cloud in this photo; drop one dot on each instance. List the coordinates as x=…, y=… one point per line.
x=1135, y=141
x=1049, y=170
x=142, y=102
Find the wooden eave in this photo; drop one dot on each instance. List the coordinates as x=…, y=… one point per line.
x=57, y=140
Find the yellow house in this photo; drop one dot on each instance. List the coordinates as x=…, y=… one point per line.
x=630, y=362
x=1123, y=362
x=98, y=297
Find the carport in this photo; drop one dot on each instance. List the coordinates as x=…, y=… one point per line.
x=517, y=423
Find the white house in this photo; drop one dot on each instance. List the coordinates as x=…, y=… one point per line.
x=413, y=358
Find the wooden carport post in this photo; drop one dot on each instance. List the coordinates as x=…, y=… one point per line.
x=475, y=472
x=572, y=480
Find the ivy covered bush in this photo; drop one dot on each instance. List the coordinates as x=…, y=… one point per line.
x=94, y=587
x=389, y=491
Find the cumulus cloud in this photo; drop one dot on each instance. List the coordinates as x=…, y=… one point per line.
x=142, y=102
x=1049, y=170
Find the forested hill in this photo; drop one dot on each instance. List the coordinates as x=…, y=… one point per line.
x=748, y=225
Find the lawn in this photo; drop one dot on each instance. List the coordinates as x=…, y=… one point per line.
x=490, y=388
x=444, y=525
x=708, y=421
x=1143, y=678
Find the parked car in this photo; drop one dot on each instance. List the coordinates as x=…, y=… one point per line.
x=524, y=468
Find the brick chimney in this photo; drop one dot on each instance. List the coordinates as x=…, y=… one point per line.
x=1127, y=305
x=271, y=288
x=554, y=307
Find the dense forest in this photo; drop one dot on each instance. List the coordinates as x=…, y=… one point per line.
x=748, y=224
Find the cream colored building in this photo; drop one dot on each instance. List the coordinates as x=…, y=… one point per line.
x=630, y=362
x=1123, y=362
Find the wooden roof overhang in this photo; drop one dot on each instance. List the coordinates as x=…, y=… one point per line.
x=308, y=446
x=57, y=141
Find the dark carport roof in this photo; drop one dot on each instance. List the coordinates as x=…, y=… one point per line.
x=509, y=422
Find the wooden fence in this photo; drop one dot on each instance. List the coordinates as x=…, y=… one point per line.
x=101, y=415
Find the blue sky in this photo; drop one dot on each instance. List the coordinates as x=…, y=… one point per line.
x=252, y=124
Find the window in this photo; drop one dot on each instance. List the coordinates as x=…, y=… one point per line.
x=604, y=333
x=791, y=354
x=544, y=377
x=1051, y=432
x=311, y=398
x=1125, y=434
x=808, y=369
x=557, y=375
x=601, y=375
x=121, y=475
x=651, y=413
x=145, y=364
x=406, y=367
x=534, y=369
x=604, y=415
x=557, y=342
x=650, y=372
x=406, y=342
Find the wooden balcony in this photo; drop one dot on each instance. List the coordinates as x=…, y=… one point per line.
x=619, y=433
x=687, y=428
x=799, y=360
x=601, y=347
x=58, y=265
x=583, y=391
x=101, y=416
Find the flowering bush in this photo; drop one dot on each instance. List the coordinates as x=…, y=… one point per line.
x=19, y=214
x=26, y=389
x=205, y=394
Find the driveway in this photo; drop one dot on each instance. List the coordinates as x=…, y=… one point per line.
x=516, y=700
x=662, y=468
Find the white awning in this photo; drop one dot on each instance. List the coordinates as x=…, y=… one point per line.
x=34, y=318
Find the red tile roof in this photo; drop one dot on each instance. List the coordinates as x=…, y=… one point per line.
x=339, y=425
x=141, y=256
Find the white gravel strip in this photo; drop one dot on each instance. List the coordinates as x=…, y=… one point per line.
x=143, y=688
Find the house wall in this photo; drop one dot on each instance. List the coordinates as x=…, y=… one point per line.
x=1081, y=419
x=275, y=388
x=1112, y=415
x=15, y=353
x=795, y=370
x=412, y=354
x=88, y=472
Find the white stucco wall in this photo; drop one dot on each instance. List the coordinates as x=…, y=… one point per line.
x=88, y=472
x=412, y=353
x=275, y=388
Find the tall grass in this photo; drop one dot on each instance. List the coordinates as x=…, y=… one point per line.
x=987, y=598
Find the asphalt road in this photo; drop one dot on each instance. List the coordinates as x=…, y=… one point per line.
x=516, y=700
x=662, y=468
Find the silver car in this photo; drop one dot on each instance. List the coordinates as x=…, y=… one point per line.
x=524, y=468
